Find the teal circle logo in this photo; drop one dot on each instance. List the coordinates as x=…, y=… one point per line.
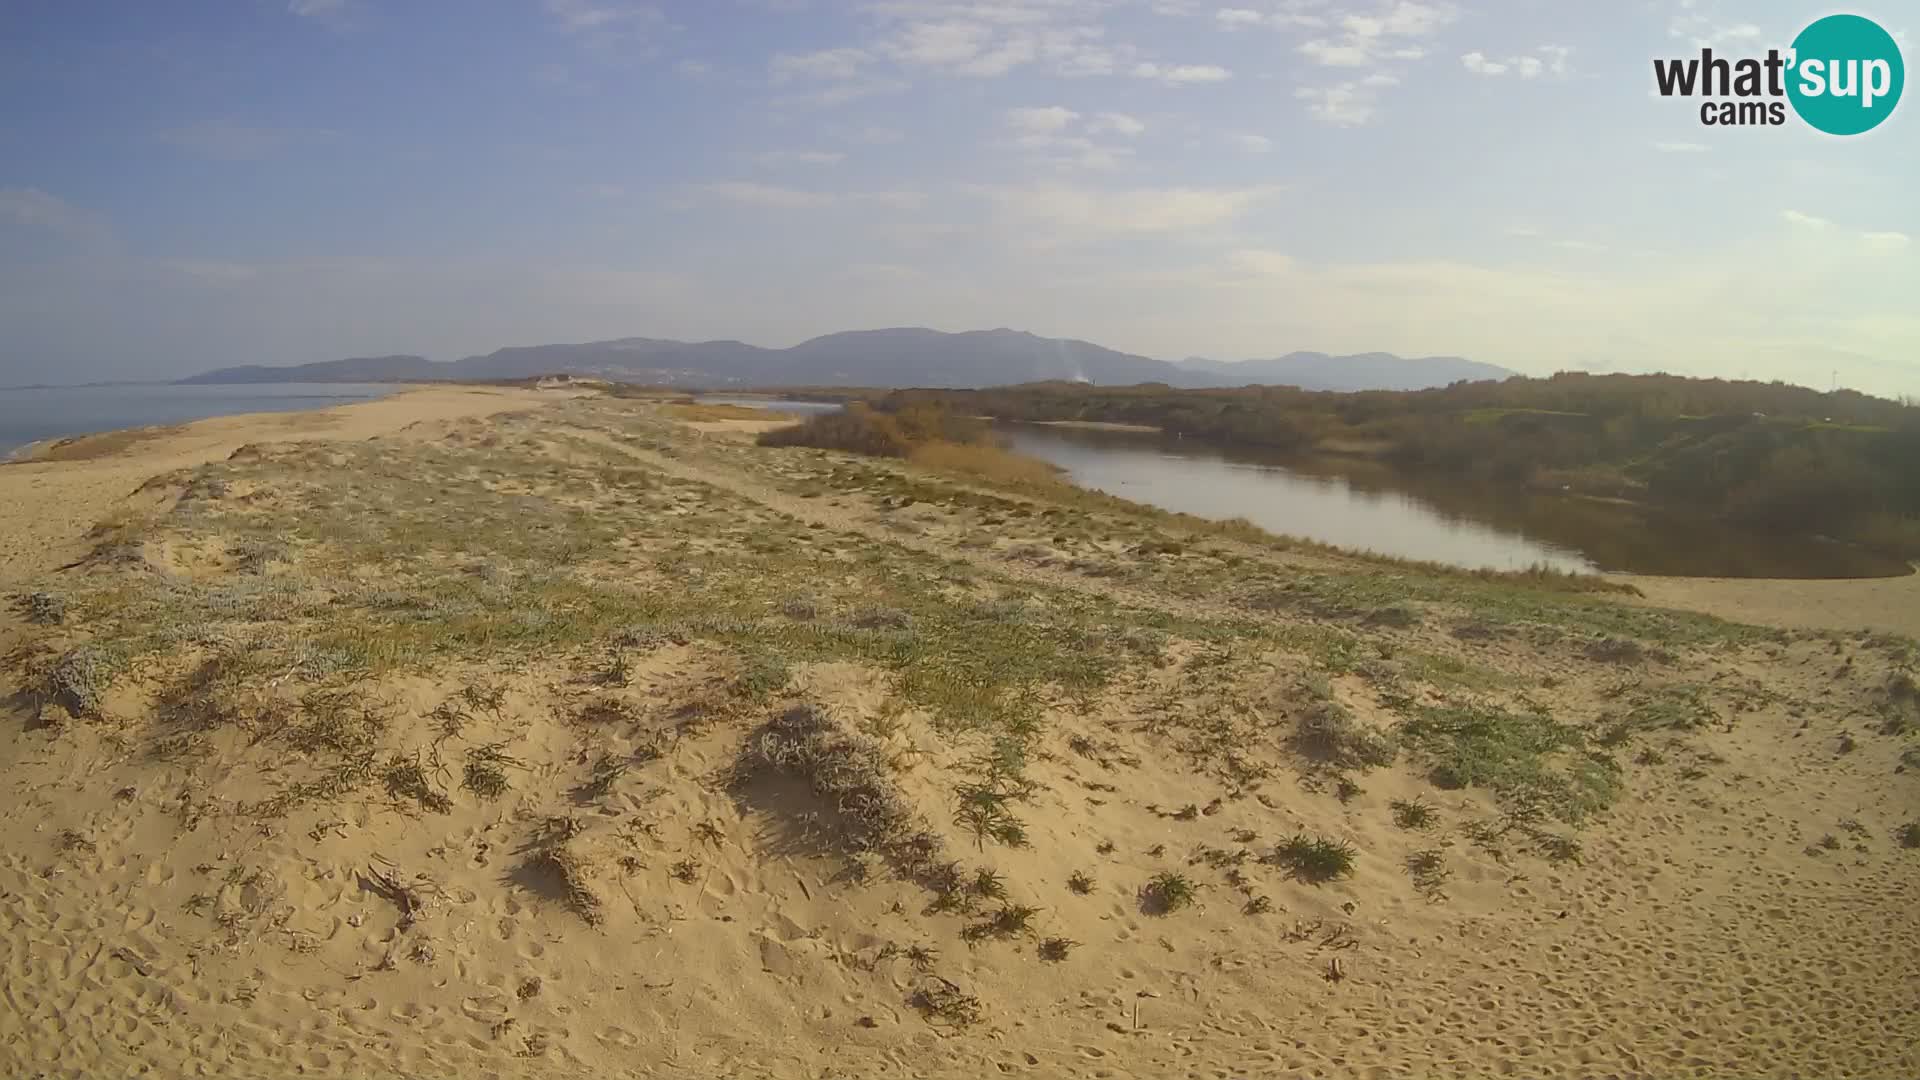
x=1846, y=75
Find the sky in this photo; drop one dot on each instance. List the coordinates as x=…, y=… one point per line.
x=193, y=184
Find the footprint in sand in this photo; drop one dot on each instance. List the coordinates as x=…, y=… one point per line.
x=620, y=1037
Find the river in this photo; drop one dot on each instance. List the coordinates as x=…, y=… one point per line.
x=1366, y=505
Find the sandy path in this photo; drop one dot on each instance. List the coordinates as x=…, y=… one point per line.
x=841, y=519
x=50, y=505
x=1891, y=605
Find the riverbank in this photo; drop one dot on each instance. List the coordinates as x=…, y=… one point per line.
x=574, y=740
x=1883, y=605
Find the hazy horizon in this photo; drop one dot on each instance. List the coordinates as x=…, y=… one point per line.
x=282, y=182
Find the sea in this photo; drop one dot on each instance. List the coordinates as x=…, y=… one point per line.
x=56, y=412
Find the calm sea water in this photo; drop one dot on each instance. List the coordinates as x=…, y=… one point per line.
x=28, y=416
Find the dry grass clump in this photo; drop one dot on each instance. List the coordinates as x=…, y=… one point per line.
x=486, y=771
x=1328, y=733
x=1053, y=950
x=1168, y=892
x=562, y=850
x=698, y=412
x=1429, y=872
x=407, y=778
x=44, y=609
x=1315, y=859
x=78, y=679
x=944, y=1003
x=852, y=773
x=985, y=461
x=1413, y=814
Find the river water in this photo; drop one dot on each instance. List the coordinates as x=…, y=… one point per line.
x=1366, y=505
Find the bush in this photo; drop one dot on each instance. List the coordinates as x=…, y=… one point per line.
x=857, y=429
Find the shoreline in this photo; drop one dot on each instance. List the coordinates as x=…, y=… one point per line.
x=42, y=449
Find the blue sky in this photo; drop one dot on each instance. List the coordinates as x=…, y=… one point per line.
x=192, y=184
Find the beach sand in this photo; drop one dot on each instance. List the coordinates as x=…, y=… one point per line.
x=447, y=739
x=50, y=505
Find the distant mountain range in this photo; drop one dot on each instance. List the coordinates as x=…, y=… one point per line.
x=1361, y=371
x=900, y=357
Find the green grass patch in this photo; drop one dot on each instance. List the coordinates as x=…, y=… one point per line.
x=1525, y=758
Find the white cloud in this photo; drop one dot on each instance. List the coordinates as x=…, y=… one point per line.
x=1384, y=34
x=875, y=136
x=838, y=75
x=777, y=158
x=1234, y=18
x=694, y=69
x=1373, y=44
x=770, y=196
x=1350, y=53
x=604, y=24
x=1115, y=123
x=940, y=44
x=751, y=194
x=1261, y=262
x=1050, y=129
x=1042, y=120
x=1141, y=210
x=1701, y=24
x=824, y=64
x=1181, y=74
x=1682, y=147
x=35, y=209
x=1547, y=59
x=316, y=9
x=1252, y=144
x=1875, y=241
x=1478, y=63
x=589, y=16
x=991, y=39
x=1346, y=104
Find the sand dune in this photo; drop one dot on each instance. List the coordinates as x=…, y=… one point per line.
x=49, y=505
x=440, y=736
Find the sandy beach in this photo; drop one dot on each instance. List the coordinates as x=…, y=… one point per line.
x=512, y=733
